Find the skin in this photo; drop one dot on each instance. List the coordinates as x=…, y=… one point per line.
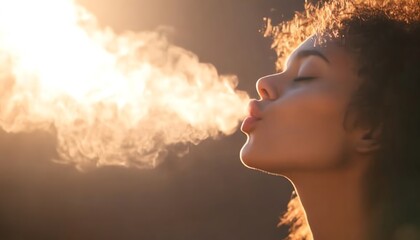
x=301, y=136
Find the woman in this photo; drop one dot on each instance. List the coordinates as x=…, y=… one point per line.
x=341, y=120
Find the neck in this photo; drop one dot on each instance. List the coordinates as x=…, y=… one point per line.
x=333, y=202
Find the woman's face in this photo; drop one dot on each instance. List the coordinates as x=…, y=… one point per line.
x=297, y=124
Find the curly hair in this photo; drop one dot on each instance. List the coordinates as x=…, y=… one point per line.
x=384, y=38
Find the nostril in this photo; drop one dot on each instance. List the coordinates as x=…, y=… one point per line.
x=264, y=93
x=266, y=87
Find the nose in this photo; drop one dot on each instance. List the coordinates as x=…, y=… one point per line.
x=266, y=87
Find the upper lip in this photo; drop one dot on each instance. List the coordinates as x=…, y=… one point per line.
x=253, y=109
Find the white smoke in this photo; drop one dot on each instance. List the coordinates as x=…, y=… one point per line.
x=111, y=99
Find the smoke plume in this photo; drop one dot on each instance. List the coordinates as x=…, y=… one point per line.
x=110, y=99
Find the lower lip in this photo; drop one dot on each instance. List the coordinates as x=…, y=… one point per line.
x=249, y=124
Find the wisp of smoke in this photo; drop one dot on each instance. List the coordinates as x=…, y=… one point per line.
x=110, y=99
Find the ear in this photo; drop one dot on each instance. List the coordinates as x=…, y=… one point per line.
x=366, y=140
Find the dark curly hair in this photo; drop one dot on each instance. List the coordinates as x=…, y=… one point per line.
x=384, y=38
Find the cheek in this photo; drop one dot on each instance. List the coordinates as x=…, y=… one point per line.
x=299, y=132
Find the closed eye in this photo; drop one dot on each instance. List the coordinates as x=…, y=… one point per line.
x=302, y=79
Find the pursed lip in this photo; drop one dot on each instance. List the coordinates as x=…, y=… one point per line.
x=250, y=122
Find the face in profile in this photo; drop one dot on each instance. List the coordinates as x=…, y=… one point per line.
x=297, y=124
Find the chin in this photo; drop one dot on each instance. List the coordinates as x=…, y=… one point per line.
x=251, y=158
x=257, y=159
x=246, y=155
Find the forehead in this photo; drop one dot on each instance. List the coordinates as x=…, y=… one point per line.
x=335, y=54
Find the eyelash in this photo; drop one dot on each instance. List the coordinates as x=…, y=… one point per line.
x=302, y=79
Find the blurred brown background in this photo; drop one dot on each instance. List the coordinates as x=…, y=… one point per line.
x=208, y=194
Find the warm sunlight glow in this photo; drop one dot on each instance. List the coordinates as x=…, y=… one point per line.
x=111, y=99
x=322, y=19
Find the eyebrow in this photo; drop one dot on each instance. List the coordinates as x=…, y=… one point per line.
x=311, y=52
